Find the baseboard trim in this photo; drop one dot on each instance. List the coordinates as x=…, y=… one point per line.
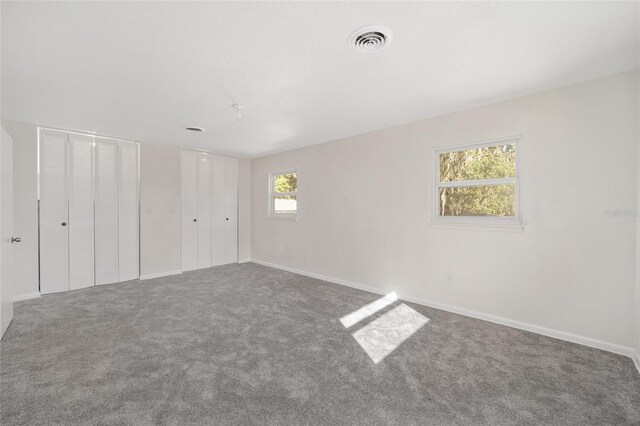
x=549, y=332
x=556, y=334
x=320, y=277
x=244, y=260
x=636, y=360
x=159, y=275
x=26, y=296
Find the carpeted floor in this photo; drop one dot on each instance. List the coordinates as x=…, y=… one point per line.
x=246, y=344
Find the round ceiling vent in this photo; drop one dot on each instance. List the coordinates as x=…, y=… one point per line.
x=370, y=39
x=194, y=129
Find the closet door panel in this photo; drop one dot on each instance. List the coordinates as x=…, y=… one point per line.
x=204, y=210
x=219, y=210
x=54, y=216
x=106, y=211
x=81, y=256
x=128, y=205
x=189, y=210
x=231, y=220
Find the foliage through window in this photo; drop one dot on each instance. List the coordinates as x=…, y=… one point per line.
x=478, y=183
x=283, y=188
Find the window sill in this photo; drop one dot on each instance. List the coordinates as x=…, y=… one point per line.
x=283, y=218
x=465, y=226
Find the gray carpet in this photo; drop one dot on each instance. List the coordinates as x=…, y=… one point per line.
x=246, y=344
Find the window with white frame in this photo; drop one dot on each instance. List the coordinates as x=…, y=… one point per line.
x=283, y=194
x=478, y=183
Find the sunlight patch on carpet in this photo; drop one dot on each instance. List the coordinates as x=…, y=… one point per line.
x=368, y=310
x=385, y=334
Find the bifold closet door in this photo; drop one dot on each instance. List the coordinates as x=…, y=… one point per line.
x=225, y=210
x=209, y=210
x=219, y=219
x=54, y=213
x=128, y=205
x=106, y=211
x=231, y=220
x=80, y=224
x=204, y=210
x=189, y=210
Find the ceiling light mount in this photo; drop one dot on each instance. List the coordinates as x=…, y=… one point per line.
x=238, y=109
x=370, y=39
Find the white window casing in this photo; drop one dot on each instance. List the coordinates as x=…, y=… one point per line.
x=273, y=195
x=507, y=221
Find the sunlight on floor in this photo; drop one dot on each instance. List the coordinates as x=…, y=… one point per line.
x=368, y=310
x=386, y=333
x=383, y=335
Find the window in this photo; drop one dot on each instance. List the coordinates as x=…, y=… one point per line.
x=283, y=188
x=478, y=184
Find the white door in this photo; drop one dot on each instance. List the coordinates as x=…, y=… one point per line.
x=219, y=217
x=106, y=211
x=81, y=256
x=128, y=204
x=209, y=210
x=6, y=231
x=231, y=219
x=54, y=213
x=189, y=210
x=204, y=210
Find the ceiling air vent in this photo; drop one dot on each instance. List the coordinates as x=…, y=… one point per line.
x=370, y=39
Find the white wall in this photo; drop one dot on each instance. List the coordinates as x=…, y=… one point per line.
x=25, y=207
x=6, y=232
x=365, y=209
x=244, y=210
x=160, y=210
x=637, y=360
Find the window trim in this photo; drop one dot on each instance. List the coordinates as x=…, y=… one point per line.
x=271, y=193
x=512, y=222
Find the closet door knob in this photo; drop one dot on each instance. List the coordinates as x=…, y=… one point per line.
x=195, y=220
x=227, y=218
x=64, y=223
x=15, y=239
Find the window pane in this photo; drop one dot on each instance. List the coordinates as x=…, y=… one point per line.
x=492, y=200
x=482, y=163
x=285, y=204
x=285, y=183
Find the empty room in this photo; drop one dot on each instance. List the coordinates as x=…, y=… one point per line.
x=320, y=213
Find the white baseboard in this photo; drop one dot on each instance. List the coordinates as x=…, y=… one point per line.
x=159, y=275
x=26, y=296
x=636, y=360
x=549, y=332
x=244, y=260
x=574, y=338
x=320, y=277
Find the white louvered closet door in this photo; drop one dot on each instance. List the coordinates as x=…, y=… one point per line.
x=231, y=219
x=210, y=200
x=54, y=216
x=81, y=256
x=128, y=251
x=106, y=211
x=204, y=210
x=189, y=210
x=219, y=252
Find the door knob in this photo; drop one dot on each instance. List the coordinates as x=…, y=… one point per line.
x=195, y=220
x=64, y=223
x=15, y=239
x=227, y=218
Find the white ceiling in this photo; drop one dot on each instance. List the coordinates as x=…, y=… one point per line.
x=145, y=70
